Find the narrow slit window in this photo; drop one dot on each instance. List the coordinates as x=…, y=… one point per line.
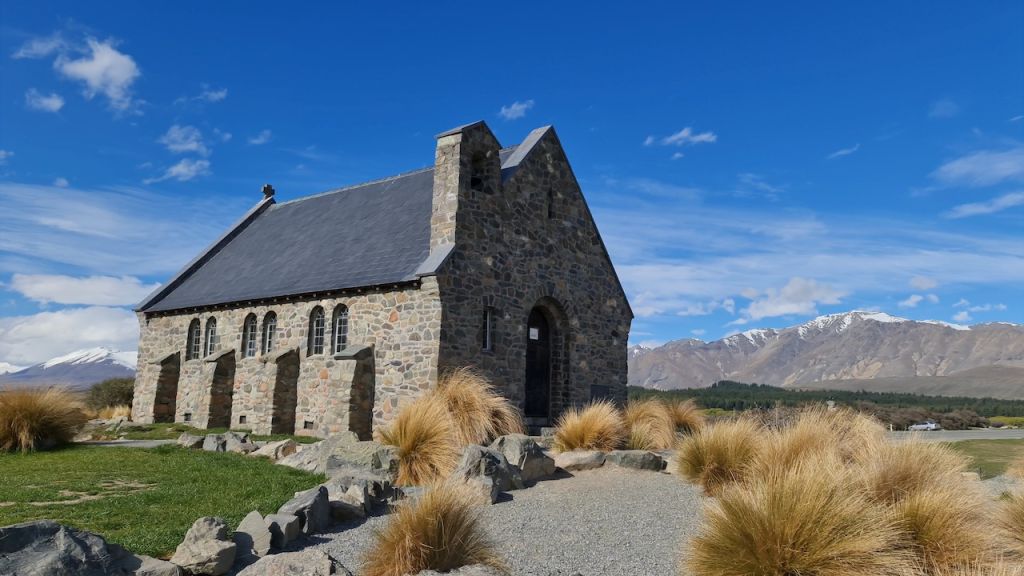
x=269, y=332
x=487, y=333
x=340, y=328
x=316, y=331
x=551, y=204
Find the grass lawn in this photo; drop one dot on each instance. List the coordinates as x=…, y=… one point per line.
x=144, y=500
x=991, y=457
x=172, y=431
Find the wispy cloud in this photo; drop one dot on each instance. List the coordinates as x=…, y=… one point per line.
x=983, y=168
x=92, y=290
x=184, y=139
x=944, y=108
x=923, y=283
x=515, y=110
x=186, y=169
x=41, y=47
x=36, y=100
x=683, y=137
x=914, y=299
x=844, y=152
x=262, y=138
x=38, y=337
x=4, y=155
x=102, y=69
x=992, y=206
x=800, y=296
x=962, y=317
x=61, y=182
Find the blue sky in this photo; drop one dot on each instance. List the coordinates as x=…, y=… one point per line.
x=749, y=164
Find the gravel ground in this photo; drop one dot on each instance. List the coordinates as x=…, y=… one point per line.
x=607, y=521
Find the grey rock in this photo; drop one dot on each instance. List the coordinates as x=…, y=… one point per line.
x=149, y=566
x=343, y=452
x=283, y=529
x=376, y=483
x=579, y=460
x=486, y=469
x=308, y=562
x=191, y=441
x=343, y=511
x=524, y=453
x=236, y=442
x=276, y=450
x=313, y=509
x=474, y=570
x=214, y=443
x=637, y=459
x=46, y=548
x=252, y=538
x=205, y=549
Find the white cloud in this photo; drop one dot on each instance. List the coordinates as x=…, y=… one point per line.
x=186, y=169
x=36, y=100
x=103, y=70
x=944, y=108
x=677, y=155
x=1017, y=118
x=61, y=182
x=911, y=302
x=961, y=303
x=962, y=317
x=515, y=110
x=39, y=337
x=262, y=138
x=996, y=204
x=223, y=136
x=183, y=139
x=4, y=155
x=799, y=296
x=40, y=47
x=212, y=95
x=923, y=283
x=987, y=308
x=844, y=151
x=698, y=331
x=983, y=168
x=90, y=290
x=682, y=138
x=933, y=298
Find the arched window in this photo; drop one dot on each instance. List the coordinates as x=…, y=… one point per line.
x=211, y=337
x=269, y=332
x=316, y=331
x=249, y=344
x=194, y=341
x=339, y=330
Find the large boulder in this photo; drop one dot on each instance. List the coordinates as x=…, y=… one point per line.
x=579, y=460
x=214, y=443
x=313, y=509
x=487, y=470
x=191, y=441
x=149, y=566
x=277, y=450
x=283, y=529
x=342, y=452
x=308, y=562
x=524, y=453
x=636, y=459
x=206, y=548
x=238, y=442
x=252, y=538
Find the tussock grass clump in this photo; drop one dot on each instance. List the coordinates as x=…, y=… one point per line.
x=425, y=437
x=894, y=471
x=1011, y=523
x=845, y=433
x=686, y=416
x=479, y=413
x=719, y=454
x=1016, y=469
x=651, y=425
x=597, y=426
x=111, y=412
x=946, y=527
x=808, y=519
x=33, y=419
x=439, y=531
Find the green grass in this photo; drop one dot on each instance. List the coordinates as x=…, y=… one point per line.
x=1017, y=421
x=991, y=457
x=158, y=493
x=172, y=431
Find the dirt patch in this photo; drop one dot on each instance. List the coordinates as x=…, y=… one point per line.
x=106, y=489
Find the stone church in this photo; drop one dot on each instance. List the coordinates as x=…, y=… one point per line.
x=330, y=312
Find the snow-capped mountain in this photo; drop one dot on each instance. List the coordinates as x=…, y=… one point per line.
x=844, y=350
x=77, y=370
x=7, y=368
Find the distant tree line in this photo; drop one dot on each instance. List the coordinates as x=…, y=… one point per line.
x=898, y=409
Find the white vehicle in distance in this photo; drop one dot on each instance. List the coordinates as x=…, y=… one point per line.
x=926, y=426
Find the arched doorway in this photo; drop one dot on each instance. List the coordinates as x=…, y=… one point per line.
x=538, y=365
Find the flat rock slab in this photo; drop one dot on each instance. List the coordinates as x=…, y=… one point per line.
x=206, y=549
x=636, y=459
x=284, y=528
x=313, y=509
x=579, y=460
x=525, y=454
x=252, y=537
x=306, y=563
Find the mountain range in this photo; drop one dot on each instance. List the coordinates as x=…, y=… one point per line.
x=852, y=350
x=77, y=370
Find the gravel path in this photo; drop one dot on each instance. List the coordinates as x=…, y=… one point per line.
x=607, y=521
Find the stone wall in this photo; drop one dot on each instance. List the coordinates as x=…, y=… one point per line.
x=521, y=243
x=400, y=327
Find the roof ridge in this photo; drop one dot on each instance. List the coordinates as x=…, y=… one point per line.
x=354, y=186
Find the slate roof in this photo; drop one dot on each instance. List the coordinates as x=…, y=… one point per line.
x=370, y=234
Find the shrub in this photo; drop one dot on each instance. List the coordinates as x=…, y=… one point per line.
x=597, y=426
x=112, y=392
x=479, y=414
x=894, y=471
x=805, y=520
x=425, y=438
x=111, y=412
x=650, y=424
x=720, y=453
x=438, y=531
x=686, y=416
x=32, y=419
x=946, y=526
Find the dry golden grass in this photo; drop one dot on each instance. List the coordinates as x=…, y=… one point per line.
x=808, y=520
x=597, y=426
x=1000, y=568
x=814, y=430
x=650, y=425
x=111, y=412
x=425, y=437
x=31, y=419
x=1011, y=523
x=1016, y=469
x=478, y=412
x=947, y=527
x=720, y=454
x=439, y=531
x=686, y=416
x=892, y=471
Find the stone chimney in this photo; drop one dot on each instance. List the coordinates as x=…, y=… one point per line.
x=268, y=191
x=466, y=168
